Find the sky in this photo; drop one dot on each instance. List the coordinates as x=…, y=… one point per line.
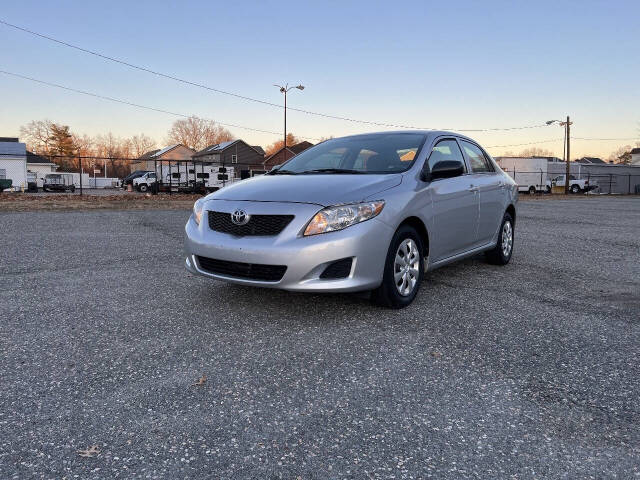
x=443, y=65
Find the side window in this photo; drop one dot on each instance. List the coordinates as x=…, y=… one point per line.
x=445, y=150
x=479, y=163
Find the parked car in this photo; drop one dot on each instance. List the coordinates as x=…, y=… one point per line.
x=366, y=212
x=128, y=180
x=59, y=182
x=576, y=185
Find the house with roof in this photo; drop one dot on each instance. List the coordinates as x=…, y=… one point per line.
x=246, y=160
x=13, y=162
x=635, y=156
x=148, y=160
x=590, y=161
x=284, y=154
x=40, y=165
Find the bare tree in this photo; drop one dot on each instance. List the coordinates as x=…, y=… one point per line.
x=197, y=133
x=83, y=144
x=37, y=135
x=141, y=144
x=535, y=152
x=621, y=155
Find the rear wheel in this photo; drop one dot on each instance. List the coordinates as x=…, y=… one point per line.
x=403, y=270
x=575, y=188
x=532, y=190
x=73, y=188
x=501, y=253
x=143, y=187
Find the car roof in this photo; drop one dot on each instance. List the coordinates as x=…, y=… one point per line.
x=431, y=134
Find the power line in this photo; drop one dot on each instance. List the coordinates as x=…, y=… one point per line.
x=125, y=102
x=247, y=98
x=606, y=139
x=528, y=143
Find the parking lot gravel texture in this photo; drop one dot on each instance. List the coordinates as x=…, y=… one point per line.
x=116, y=363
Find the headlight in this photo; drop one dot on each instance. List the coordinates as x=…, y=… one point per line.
x=342, y=216
x=197, y=210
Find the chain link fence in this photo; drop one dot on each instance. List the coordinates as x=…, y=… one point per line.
x=86, y=174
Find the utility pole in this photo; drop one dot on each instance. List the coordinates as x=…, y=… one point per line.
x=568, y=172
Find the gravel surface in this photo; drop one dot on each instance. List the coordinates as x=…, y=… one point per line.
x=525, y=371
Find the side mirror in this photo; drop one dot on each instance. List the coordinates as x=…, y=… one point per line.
x=446, y=169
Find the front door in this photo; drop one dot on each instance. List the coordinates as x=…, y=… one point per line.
x=455, y=206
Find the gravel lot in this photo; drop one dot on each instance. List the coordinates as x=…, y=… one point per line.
x=525, y=371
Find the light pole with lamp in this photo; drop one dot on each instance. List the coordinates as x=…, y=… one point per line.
x=567, y=144
x=284, y=90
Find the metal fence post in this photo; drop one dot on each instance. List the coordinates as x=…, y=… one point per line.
x=610, y=178
x=154, y=191
x=170, y=178
x=542, y=188
x=629, y=182
x=80, y=165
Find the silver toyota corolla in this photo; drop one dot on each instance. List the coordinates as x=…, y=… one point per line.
x=365, y=212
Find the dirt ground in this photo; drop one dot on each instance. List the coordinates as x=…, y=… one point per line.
x=25, y=202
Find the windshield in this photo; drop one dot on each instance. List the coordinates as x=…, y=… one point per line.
x=375, y=154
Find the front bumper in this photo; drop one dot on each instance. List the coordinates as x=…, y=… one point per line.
x=305, y=257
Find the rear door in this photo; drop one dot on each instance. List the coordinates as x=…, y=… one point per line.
x=490, y=185
x=455, y=205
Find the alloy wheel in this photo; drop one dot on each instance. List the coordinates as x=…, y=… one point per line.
x=507, y=239
x=406, y=267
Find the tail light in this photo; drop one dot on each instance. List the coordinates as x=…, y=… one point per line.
x=586, y=182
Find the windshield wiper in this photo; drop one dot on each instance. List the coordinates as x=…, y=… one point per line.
x=333, y=170
x=282, y=172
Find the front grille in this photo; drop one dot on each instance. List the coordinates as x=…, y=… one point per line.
x=264, y=225
x=337, y=269
x=250, y=271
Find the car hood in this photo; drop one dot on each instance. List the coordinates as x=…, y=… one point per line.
x=321, y=190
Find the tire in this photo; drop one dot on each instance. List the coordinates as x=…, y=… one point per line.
x=575, y=188
x=500, y=255
x=548, y=189
x=73, y=188
x=143, y=187
x=532, y=190
x=405, y=241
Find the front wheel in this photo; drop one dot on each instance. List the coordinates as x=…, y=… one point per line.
x=143, y=188
x=532, y=190
x=575, y=189
x=403, y=270
x=501, y=253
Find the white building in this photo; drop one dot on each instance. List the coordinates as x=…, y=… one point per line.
x=40, y=165
x=13, y=162
x=635, y=156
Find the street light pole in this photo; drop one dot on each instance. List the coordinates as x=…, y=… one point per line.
x=568, y=172
x=567, y=144
x=285, y=89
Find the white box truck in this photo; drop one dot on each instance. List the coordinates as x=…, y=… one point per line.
x=529, y=173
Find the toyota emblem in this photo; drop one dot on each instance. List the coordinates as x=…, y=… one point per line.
x=240, y=217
